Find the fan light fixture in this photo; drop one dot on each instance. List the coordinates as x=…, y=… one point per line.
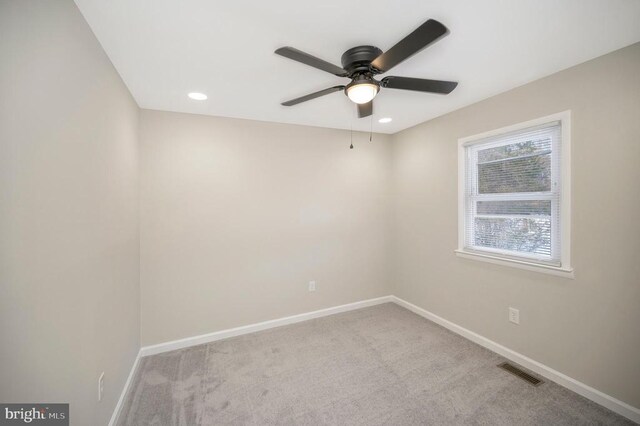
x=361, y=93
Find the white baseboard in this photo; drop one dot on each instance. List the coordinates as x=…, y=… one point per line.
x=613, y=404
x=127, y=384
x=252, y=328
x=580, y=388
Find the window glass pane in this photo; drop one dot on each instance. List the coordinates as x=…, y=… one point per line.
x=518, y=167
x=537, y=146
x=525, y=235
x=514, y=207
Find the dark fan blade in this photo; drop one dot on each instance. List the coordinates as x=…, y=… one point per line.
x=418, y=84
x=305, y=58
x=313, y=95
x=365, y=110
x=426, y=34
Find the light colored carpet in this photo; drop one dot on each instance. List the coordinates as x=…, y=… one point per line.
x=373, y=366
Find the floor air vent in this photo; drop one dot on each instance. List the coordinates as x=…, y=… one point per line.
x=520, y=373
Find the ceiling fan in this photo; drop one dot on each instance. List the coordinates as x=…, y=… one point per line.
x=362, y=63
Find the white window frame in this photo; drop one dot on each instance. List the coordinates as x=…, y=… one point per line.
x=564, y=269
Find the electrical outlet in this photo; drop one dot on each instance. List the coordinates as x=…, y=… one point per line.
x=312, y=286
x=100, y=386
x=514, y=315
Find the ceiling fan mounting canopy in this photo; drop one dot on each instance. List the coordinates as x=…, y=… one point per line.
x=362, y=63
x=358, y=59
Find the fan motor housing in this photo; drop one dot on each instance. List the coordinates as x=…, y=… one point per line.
x=357, y=60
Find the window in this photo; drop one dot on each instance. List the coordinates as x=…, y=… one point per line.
x=514, y=192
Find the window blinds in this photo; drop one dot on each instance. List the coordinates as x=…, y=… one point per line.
x=512, y=194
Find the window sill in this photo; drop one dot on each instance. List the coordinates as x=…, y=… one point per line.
x=521, y=264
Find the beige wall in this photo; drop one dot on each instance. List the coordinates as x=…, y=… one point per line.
x=237, y=216
x=587, y=328
x=69, y=303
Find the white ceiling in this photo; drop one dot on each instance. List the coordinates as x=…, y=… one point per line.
x=164, y=49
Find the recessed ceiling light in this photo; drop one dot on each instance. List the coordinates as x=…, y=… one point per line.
x=385, y=120
x=197, y=96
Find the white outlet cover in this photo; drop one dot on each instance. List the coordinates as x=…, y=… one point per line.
x=312, y=286
x=514, y=315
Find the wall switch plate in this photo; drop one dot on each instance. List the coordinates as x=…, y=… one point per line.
x=514, y=315
x=312, y=286
x=100, y=386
